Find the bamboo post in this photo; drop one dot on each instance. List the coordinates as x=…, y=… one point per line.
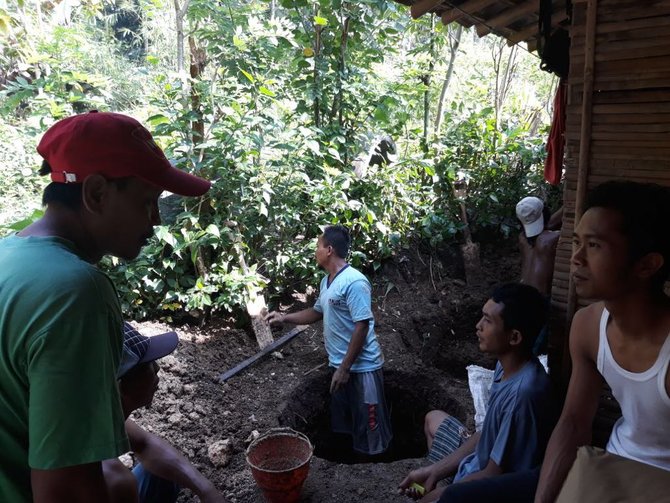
x=584, y=147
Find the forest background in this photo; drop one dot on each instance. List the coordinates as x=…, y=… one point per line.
x=285, y=105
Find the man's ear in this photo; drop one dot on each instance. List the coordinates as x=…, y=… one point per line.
x=93, y=193
x=649, y=265
x=515, y=337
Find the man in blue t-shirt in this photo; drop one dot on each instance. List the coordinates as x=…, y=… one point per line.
x=521, y=411
x=358, y=406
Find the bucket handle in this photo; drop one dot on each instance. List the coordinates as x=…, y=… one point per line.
x=280, y=430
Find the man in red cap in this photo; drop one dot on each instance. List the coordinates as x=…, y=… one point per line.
x=161, y=470
x=60, y=323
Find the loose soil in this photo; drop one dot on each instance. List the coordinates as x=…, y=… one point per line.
x=425, y=316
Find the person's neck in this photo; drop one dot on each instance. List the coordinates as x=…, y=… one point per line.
x=65, y=224
x=512, y=361
x=334, y=266
x=639, y=313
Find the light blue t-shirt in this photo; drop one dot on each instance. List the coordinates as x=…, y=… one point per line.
x=519, y=420
x=347, y=300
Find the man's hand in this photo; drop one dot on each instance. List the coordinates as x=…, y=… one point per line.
x=340, y=378
x=274, y=318
x=424, y=476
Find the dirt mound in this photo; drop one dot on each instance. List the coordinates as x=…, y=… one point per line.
x=425, y=316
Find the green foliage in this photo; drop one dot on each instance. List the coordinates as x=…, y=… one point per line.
x=20, y=188
x=280, y=106
x=497, y=166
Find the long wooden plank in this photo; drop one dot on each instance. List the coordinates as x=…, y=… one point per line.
x=617, y=46
x=625, y=53
x=628, y=118
x=626, y=97
x=465, y=9
x=633, y=177
x=646, y=138
x=646, y=64
x=632, y=163
x=508, y=16
x=623, y=128
x=631, y=34
x=633, y=11
x=606, y=27
x=262, y=353
x=423, y=6
x=625, y=108
x=633, y=83
x=587, y=111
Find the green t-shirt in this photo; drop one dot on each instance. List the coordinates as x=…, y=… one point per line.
x=60, y=345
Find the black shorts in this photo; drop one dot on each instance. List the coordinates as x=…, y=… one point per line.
x=359, y=409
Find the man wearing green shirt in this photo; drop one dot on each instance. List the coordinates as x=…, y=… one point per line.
x=60, y=318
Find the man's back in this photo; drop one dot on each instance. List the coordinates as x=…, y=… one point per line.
x=537, y=260
x=47, y=340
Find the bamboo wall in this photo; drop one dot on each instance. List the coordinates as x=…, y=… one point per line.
x=618, y=125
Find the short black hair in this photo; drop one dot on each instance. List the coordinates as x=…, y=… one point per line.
x=645, y=217
x=524, y=309
x=337, y=236
x=68, y=194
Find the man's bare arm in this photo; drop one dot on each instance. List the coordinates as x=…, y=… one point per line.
x=74, y=484
x=304, y=317
x=574, y=426
x=163, y=460
x=556, y=220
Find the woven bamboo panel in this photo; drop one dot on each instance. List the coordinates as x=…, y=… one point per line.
x=628, y=135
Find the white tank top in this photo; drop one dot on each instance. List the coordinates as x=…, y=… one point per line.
x=643, y=431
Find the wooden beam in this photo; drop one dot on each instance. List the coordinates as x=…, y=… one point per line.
x=465, y=10
x=584, y=144
x=506, y=17
x=263, y=352
x=422, y=6
x=532, y=30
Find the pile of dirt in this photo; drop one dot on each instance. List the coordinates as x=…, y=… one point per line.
x=425, y=316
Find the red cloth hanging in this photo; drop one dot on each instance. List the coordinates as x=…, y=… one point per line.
x=553, y=165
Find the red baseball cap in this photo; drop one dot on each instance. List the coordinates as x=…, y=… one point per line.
x=113, y=145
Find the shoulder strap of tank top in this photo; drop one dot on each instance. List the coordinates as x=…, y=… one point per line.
x=602, y=339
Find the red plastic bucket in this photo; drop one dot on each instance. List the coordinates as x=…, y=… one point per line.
x=279, y=461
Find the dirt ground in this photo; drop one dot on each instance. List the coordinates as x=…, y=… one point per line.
x=425, y=316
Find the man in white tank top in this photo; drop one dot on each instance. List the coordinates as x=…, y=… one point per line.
x=621, y=257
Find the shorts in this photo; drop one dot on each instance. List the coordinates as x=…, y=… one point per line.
x=359, y=409
x=449, y=436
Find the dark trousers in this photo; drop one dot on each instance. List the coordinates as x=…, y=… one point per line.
x=153, y=489
x=518, y=487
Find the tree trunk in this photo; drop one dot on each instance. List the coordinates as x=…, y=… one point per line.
x=338, y=102
x=503, y=75
x=180, y=14
x=455, y=42
x=317, y=75
x=426, y=82
x=198, y=63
